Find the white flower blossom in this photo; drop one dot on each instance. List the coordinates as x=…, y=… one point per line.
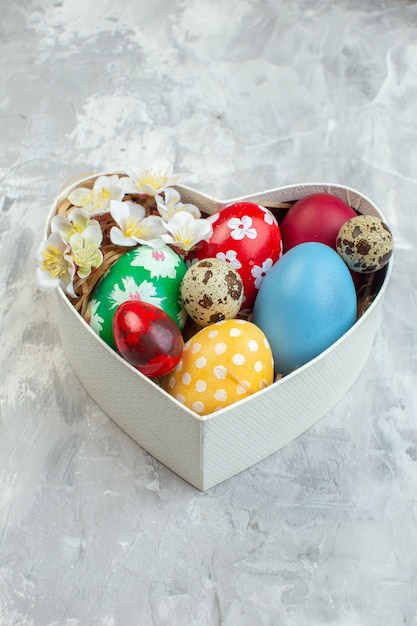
x=134, y=227
x=171, y=204
x=55, y=265
x=73, y=249
x=151, y=181
x=96, y=201
x=76, y=221
x=85, y=250
x=184, y=231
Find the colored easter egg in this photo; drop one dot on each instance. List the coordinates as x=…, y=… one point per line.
x=317, y=217
x=306, y=302
x=221, y=364
x=147, y=337
x=365, y=244
x=143, y=273
x=248, y=237
x=211, y=291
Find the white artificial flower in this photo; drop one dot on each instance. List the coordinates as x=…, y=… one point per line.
x=171, y=204
x=76, y=221
x=184, y=231
x=134, y=227
x=85, y=250
x=55, y=265
x=151, y=181
x=96, y=201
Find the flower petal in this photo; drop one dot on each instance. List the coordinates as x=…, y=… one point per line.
x=152, y=181
x=120, y=212
x=118, y=238
x=46, y=281
x=149, y=232
x=94, y=234
x=171, y=204
x=97, y=200
x=105, y=182
x=55, y=266
x=185, y=231
x=79, y=196
x=127, y=185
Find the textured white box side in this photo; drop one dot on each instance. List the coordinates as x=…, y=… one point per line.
x=139, y=407
x=248, y=432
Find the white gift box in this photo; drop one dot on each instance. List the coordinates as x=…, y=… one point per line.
x=206, y=450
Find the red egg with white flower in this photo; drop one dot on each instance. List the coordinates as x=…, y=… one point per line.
x=248, y=237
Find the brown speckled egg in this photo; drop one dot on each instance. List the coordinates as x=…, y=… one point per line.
x=365, y=244
x=211, y=291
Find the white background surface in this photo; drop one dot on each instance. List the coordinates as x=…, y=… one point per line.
x=243, y=96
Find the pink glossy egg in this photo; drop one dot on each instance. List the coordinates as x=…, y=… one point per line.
x=248, y=237
x=317, y=217
x=147, y=337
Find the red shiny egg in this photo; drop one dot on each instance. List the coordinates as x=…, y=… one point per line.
x=248, y=237
x=317, y=217
x=147, y=337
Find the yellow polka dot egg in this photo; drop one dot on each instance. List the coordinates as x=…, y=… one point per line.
x=221, y=364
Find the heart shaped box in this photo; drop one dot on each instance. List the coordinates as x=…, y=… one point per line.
x=207, y=450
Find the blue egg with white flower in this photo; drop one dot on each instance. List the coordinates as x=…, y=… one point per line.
x=306, y=302
x=143, y=273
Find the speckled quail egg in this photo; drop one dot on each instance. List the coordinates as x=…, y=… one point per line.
x=211, y=291
x=365, y=243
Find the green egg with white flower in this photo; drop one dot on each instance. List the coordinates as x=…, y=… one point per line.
x=143, y=273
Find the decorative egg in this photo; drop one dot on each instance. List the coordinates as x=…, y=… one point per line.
x=365, y=244
x=248, y=237
x=221, y=364
x=147, y=337
x=317, y=217
x=143, y=273
x=306, y=302
x=211, y=291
